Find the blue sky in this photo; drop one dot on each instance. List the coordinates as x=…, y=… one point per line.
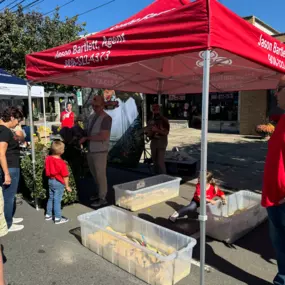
x=271, y=12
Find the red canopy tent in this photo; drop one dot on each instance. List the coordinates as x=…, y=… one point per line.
x=169, y=47
x=165, y=43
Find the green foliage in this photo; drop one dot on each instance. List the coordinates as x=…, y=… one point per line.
x=23, y=33
x=41, y=182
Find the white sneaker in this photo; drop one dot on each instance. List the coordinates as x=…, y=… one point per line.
x=174, y=217
x=16, y=228
x=17, y=220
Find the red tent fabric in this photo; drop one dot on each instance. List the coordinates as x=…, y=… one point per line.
x=160, y=50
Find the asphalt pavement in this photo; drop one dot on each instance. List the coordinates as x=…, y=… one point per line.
x=48, y=254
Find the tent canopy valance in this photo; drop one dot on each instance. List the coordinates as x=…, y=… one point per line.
x=160, y=50
x=14, y=87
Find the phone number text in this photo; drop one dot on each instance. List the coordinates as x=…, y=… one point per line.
x=83, y=60
x=275, y=61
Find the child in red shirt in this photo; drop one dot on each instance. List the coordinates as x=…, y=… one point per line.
x=212, y=191
x=57, y=172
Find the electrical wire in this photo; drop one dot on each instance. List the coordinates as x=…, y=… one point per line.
x=17, y=4
x=10, y=4
x=58, y=7
x=95, y=8
x=2, y=1
x=29, y=5
x=32, y=4
x=6, y=7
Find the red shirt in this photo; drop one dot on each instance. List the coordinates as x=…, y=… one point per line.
x=68, y=121
x=56, y=168
x=210, y=193
x=273, y=190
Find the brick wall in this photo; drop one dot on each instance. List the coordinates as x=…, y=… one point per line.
x=253, y=106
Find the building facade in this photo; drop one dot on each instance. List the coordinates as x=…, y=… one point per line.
x=229, y=112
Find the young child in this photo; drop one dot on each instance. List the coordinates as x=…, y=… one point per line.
x=57, y=172
x=212, y=191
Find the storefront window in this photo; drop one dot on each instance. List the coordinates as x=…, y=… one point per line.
x=223, y=107
x=177, y=107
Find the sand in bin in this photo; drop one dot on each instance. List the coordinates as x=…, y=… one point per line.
x=145, y=266
x=144, y=200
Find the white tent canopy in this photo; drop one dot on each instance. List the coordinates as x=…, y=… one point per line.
x=12, y=87
x=19, y=91
x=15, y=87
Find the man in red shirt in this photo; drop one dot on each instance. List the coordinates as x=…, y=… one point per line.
x=273, y=192
x=67, y=117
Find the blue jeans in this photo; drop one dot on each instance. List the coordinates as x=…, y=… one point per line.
x=191, y=208
x=9, y=193
x=56, y=190
x=276, y=216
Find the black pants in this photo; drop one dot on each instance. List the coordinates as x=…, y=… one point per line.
x=191, y=208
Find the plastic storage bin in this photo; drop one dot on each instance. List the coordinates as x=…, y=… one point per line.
x=143, y=193
x=165, y=260
x=230, y=222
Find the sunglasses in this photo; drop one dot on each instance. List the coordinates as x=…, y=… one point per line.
x=279, y=88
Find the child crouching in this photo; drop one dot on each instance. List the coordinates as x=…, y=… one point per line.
x=57, y=172
x=212, y=191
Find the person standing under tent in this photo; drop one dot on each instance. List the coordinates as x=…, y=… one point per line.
x=67, y=117
x=157, y=130
x=10, y=164
x=3, y=232
x=273, y=191
x=98, y=137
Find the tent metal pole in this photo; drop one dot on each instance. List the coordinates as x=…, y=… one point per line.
x=160, y=82
x=203, y=171
x=45, y=118
x=32, y=140
x=144, y=111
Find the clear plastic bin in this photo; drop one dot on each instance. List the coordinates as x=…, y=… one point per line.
x=166, y=259
x=140, y=194
x=241, y=214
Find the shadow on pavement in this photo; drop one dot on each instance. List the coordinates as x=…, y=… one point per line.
x=88, y=189
x=184, y=226
x=228, y=268
x=76, y=233
x=258, y=241
x=238, y=164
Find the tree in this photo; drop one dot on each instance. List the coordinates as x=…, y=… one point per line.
x=23, y=33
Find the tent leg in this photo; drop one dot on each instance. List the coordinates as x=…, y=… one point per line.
x=32, y=139
x=45, y=118
x=203, y=172
x=144, y=116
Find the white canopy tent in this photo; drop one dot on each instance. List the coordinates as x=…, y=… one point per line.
x=12, y=87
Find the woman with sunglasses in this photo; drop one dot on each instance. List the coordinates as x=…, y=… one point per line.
x=10, y=163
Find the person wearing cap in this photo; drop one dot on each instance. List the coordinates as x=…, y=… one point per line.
x=98, y=137
x=157, y=130
x=273, y=191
